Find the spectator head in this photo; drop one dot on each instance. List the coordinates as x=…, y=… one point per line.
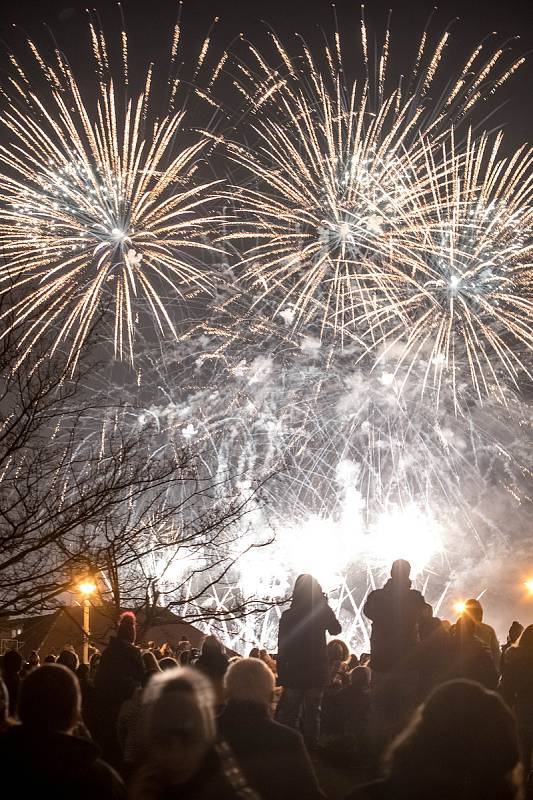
x=50, y=659
x=360, y=678
x=352, y=662
x=151, y=666
x=364, y=661
x=167, y=663
x=474, y=609
x=127, y=627
x=337, y=650
x=185, y=657
x=525, y=643
x=50, y=699
x=150, y=662
x=179, y=722
x=34, y=660
x=254, y=653
x=94, y=662
x=12, y=662
x=83, y=672
x=212, y=644
x=462, y=743
x=515, y=632
x=68, y=659
x=307, y=591
x=249, y=680
x=184, y=644
x=400, y=570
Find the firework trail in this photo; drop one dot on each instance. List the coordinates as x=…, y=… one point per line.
x=101, y=203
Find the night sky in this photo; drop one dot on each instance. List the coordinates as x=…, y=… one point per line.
x=149, y=25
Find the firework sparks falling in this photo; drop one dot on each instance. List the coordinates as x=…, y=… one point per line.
x=100, y=202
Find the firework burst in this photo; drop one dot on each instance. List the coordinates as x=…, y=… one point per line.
x=336, y=176
x=100, y=201
x=467, y=311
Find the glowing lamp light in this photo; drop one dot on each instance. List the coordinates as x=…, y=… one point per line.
x=529, y=585
x=87, y=587
x=459, y=607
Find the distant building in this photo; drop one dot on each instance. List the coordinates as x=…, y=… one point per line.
x=50, y=632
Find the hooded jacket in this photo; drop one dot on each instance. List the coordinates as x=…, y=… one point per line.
x=302, y=654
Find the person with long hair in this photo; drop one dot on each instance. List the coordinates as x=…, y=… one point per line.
x=460, y=745
x=302, y=657
x=517, y=689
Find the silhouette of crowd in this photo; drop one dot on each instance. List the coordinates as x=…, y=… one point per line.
x=435, y=710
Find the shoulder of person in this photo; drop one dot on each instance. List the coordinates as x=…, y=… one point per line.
x=109, y=781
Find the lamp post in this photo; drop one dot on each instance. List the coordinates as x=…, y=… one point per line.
x=86, y=588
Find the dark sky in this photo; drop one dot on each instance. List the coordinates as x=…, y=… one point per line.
x=149, y=25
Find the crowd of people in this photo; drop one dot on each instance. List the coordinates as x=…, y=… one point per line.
x=434, y=710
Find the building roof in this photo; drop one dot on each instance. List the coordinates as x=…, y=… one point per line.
x=51, y=632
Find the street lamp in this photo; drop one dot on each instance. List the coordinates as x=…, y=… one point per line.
x=86, y=589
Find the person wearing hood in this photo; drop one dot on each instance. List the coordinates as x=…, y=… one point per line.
x=302, y=657
x=42, y=752
x=395, y=612
x=120, y=672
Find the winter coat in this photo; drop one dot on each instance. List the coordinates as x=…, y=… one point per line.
x=119, y=673
x=488, y=636
x=272, y=756
x=302, y=653
x=395, y=611
x=472, y=660
x=50, y=764
x=209, y=783
x=517, y=684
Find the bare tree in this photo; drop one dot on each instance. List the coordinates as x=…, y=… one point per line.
x=83, y=492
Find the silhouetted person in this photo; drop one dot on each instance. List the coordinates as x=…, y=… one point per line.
x=517, y=688
x=119, y=673
x=470, y=657
x=272, y=756
x=302, y=657
x=213, y=662
x=182, y=758
x=395, y=612
x=474, y=609
x=515, y=632
x=461, y=745
x=11, y=666
x=42, y=752
x=69, y=659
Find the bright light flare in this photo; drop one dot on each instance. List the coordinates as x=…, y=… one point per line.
x=87, y=587
x=459, y=607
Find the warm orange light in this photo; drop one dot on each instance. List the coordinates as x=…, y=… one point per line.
x=87, y=587
x=459, y=606
x=529, y=585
